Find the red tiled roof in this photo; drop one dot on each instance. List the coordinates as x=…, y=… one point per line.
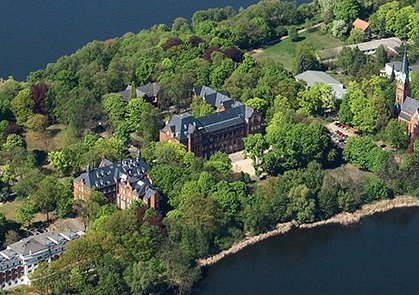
x=360, y=24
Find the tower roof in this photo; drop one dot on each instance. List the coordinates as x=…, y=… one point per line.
x=405, y=68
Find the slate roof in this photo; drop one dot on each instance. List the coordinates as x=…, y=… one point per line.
x=408, y=108
x=222, y=120
x=108, y=175
x=179, y=125
x=28, y=246
x=185, y=124
x=388, y=43
x=149, y=90
x=212, y=97
x=312, y=77
x=35, y=244
x=126, y=93
x=398, y=66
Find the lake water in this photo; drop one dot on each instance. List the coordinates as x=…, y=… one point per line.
x=378, y=256
x=36, y=32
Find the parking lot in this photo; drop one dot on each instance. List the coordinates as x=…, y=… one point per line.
x=340, y=133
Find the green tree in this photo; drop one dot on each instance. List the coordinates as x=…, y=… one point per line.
x=230, y=197
x=143, y=118
x=345, y=113
x=302, y=206
x=345, y=59
x=13, y=141
x=37, y=123
x=28, y=181
x=64, y=160
x=22, y=106
x=258, y=104
x=381, y=56
x=219, y=162
x=293, y=33
x=46, y=195
x=133, y=91
x=254, y=147
x=339, y=29
x=365, y=153
x=346, y=10
x=319, y=99
x=414, y=28
x=395, y=135
x=25, y=213
x=180, y=273
x=294, y=145
x=306, y=57
x=328, y=202
x=346, y=202
x=200, y=108
x=415, y=84
x=9, y=88
x=374, y=190
x=114, y=106
x=356, y=36
x=146, y=276
x=401, y=26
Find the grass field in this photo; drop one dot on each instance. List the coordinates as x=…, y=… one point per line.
x=53, y=139
x=9, y=208
x=285, y=50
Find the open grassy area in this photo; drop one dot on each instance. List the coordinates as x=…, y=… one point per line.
x=285, y=50
x=9, y=208
x=51, y=140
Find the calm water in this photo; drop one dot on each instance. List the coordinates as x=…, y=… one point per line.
x=36, y=32
x=378, y=256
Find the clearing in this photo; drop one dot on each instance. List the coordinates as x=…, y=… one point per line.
x=285, y=50
x=9, y=208
x=51, y=140
x=240, y=164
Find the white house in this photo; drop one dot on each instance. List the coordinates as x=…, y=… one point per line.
x=397, y=66
x=20, y=259
x=312, y=77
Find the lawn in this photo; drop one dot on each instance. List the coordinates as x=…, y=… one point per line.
x=9, y=208
x=51, y=140
x=285, y=50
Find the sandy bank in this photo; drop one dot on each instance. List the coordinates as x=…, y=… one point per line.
x=342, y=218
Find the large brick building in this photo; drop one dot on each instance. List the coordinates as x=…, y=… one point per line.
x=223, y=130
x=123, y=182
x=407, y=107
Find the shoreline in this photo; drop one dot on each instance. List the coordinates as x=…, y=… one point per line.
x=344, y=219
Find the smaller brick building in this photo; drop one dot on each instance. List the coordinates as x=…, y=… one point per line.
x=123, y=183
x=364, y=27
x=223, y=130
x=407, y=107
